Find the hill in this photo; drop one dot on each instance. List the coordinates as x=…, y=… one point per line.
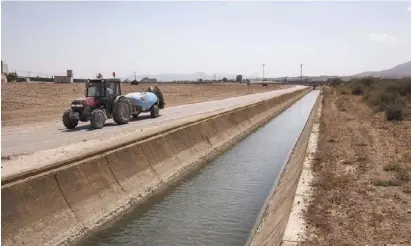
x=402, y=70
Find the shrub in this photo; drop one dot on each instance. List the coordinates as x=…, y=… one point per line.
x=403, y=176
x=402, y=87
x=373, y=97
x=390, y=95
x=344, y=91
x=394, y=112
x=393, y=167
x=390, y=98
x=368, y=81
x=385, y=182
x=358, y=90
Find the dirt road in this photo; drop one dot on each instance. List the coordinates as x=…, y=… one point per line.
x=362, y=186
x=16, y=140
x=41, y=102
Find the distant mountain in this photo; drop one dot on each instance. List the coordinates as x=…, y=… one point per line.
x=182, y=77
x=402, y=70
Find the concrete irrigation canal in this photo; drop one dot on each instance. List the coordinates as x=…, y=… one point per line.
x=203, y=178
x=218, y=204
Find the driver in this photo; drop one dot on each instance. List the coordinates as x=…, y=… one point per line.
x=110, y=91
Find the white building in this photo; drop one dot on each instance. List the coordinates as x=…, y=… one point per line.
x=64, y=79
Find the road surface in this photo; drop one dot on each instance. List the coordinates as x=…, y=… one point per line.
x=27, y=139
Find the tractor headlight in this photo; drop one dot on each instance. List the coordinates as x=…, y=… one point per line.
x=76, y=105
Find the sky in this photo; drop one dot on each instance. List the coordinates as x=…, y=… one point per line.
x=329, y=38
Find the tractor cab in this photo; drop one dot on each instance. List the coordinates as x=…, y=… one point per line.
x=99, y=88
x=101, y=93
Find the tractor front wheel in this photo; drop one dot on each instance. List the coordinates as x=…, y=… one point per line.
x=121, y=113
x=155, y=111
x=97, y=119
x=68, y=122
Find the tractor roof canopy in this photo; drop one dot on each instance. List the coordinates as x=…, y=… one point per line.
x=100, y=80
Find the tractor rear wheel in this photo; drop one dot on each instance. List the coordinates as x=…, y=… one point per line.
x=97, y=119
x=121, y=114
x=155, y=111
x=67, y=121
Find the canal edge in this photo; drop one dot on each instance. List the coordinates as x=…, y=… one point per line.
x=275, y=214
x=295, y=229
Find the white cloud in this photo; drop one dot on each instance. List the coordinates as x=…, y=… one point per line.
x=383, y=38
x=409, y=8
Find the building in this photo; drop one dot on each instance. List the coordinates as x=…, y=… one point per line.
x=64, y=79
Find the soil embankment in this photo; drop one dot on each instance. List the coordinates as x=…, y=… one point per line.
x=61, y=205
x=23, y=103
x=362, y=179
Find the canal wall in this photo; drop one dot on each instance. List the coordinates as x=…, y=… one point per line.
x=59, y=206
x=274, y=216
x=295, y=232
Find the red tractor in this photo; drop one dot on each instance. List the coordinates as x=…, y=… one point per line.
x=102, y=101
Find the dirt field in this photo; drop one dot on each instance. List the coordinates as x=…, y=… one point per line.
x=362, y=187
x=37, y=102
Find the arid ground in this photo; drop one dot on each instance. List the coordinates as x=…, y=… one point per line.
x=38, y=102
x=362, y=185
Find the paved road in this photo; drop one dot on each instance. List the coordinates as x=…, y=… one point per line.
x=31, y=138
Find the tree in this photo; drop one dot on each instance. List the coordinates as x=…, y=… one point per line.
x=225, y=79
x=12, y=77
x=99, y=76
x=239, y=78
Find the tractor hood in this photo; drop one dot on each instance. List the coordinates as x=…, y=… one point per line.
x=85, y=101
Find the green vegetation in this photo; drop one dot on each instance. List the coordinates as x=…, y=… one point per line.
x=392, y=96
x=11, y=77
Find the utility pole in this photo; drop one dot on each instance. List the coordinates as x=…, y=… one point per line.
x=263, y=72
x=301, y=72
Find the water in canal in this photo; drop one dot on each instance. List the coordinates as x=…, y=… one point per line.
x=219, y=204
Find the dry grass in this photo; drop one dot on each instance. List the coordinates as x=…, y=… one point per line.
x=391, y=96
x=36, y=102
x=362, y=181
